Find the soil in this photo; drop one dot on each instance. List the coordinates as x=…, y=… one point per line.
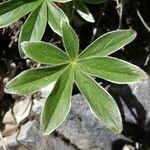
x=107, y=19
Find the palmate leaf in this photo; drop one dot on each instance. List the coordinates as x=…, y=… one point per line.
x=45, y=53
x=109, y=43
x=112, y=69
x=34, y=79
x=100, y=101
x=34, y=27
x=11, y=11
x=93, y=61
x=58, y=103
x=71, y=45
x=55, y=15
x=83, y=11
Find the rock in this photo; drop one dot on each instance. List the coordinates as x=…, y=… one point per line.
x=134, y=101
x=141, y=91
x=84, y=130
x=81, y=130
x=30, y=138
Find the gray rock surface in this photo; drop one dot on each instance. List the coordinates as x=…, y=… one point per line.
x=84, y=130
x=142, y=93
x=81, y=130
x=135, y=101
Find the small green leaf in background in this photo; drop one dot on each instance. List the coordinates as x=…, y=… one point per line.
x=34, y=27
x=67, y=67
x=41, y=12
x=57, y=105
x=100, y=102
x=11, y=11
x=55, y=15
x=83, y=11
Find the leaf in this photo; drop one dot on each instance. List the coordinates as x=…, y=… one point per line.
x=112, y=69
x=34, y=27
x=94, y=1
x=11, y=11
x=34, y=79
x=44, y=53
x=100, y=101
x=55, y=15
x=83, y=11
x=71, y=45
x=58, y=103
x=109, y=43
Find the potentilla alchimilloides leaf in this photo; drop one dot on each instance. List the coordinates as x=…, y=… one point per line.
x=109, y=43
x=101, y=103
x=55, y=15
x=58, y=103
x=112, y=69
x=34, y=27
x=70, y=39
x=83, y=11
x=44, y=53
x=34, y=79
x=11, y=11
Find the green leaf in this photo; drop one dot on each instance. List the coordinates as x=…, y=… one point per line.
x=11, y=11
x=58, y=103
x=55, y=15
x=109, y=43
x=94, y=1
x=83, y=11
x=112, y=69
x=34, y=79
x=100, y=101
x=44, y=53
x=70, y=39
x=34, y=27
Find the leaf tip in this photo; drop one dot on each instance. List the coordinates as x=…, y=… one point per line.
x=118, y=128
x=134, y=33
x=7, y=88
x=143, y=76
x=44, y=129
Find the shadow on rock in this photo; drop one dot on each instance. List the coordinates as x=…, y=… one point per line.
x=134, y=114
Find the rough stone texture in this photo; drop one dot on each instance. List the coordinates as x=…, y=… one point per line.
x=134, y=101
x=142, y=93
x=30, y=138
x=84, y=130
x=81, y=130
